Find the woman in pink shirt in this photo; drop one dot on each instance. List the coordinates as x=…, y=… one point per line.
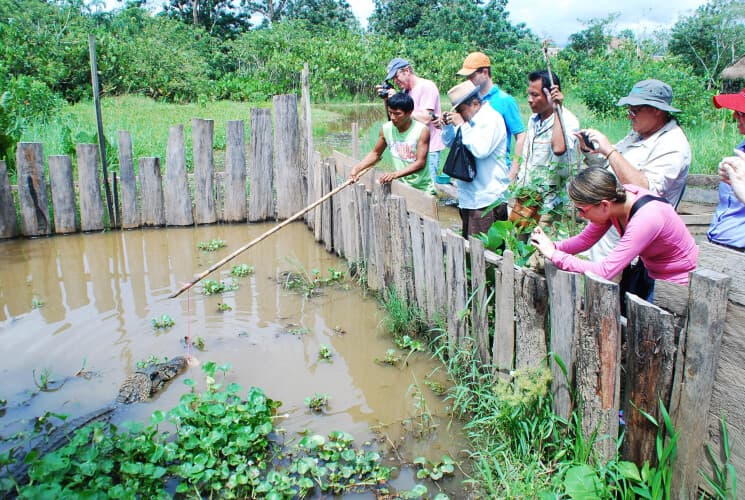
x=655, y=233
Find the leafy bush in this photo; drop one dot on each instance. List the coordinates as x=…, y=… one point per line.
x=604, y=79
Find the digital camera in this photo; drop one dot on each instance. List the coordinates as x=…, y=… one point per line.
x=384, y=88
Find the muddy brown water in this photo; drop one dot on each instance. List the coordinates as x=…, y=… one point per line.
x=86, y=301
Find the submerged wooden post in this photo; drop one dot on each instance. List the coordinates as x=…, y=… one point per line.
x=8, y=216
x=178, y=209
x=203, y=135
x=261, y=171
x=292, y=187
x=565, y=293
x=650, y=354
x=235, y=172
x=599, y=363
x=153, y=213
x=89, y=185
x=479, y=303
x=707, y=306
x=32, y=190
x=63, y=194
x=131, y=217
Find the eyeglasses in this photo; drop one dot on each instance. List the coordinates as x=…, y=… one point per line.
x=583, y=210
x=632, y=111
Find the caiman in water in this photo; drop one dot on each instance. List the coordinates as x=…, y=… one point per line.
x=140, y=386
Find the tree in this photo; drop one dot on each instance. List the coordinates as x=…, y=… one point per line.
x=595, y=37
x=219, y=18
x=335, y=14
x=712, y=38
x=399, y=17
x=270, y=10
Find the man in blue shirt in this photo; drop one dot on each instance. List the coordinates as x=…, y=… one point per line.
x=728, y=225
x=477, y=68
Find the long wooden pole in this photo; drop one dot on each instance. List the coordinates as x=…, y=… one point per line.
x=99, y=123
x=268, y=233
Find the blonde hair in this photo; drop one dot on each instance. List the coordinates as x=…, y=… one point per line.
x=595, y=184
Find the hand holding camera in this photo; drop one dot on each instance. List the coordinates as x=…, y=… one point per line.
x=383, y=89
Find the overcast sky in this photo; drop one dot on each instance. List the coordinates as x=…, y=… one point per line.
x=557, y=19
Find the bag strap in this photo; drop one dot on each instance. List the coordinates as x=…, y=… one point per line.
x=640, y=202
x=643, y=201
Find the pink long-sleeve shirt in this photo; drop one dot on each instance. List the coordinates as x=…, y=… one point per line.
x=656, y=234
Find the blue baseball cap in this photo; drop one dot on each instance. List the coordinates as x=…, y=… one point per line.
x=396, y=64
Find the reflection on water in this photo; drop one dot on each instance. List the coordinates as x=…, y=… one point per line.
x=87, y=301
x=333, y=124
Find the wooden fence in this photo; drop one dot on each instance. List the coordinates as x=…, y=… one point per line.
x=685, y=349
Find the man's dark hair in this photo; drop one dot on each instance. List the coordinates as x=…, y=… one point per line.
x=545, y=80
x=401, y=101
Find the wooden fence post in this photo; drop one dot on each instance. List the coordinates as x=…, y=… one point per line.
x=434, y=258
x=261, y=169
x=564, y=291
x=457, y=292
x=8, y=216
x=32, y=190
x=151, y=182
x=235, y=172
x=598, y=363
x=203, y=134
x=401, y=258
x=89, y=185
x=178, y=209
x=503, y=347
x=650, y=354
x=707, y=307
x=479, y=303
x=326, y=227
x=63, y=194
x=131, y=217
x=292, y=187
x=531, y=313
x=306, y=134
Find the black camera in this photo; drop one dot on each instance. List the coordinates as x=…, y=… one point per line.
x=384, y=88
x=586, y=139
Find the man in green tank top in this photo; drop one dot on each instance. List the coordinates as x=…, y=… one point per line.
x=408, y=142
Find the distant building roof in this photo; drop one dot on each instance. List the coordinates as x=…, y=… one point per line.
x=734, y=72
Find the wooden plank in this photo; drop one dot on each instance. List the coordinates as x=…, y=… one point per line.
x=416, y=233
x=131, y=217
x=151, y=182
x=598, y=363
x=261, y=168
x=306, y=133
x=374, y=271
x=32, y=190
x=707, y=310
x=531, y=314
x=8, y=216
x=327, y=217
x=457, y=292
x=503, y=348
x=337, y=237
x=650, y=355
x=235, y=172
x=314, y=176
x=363, y=216
x=726, y=261
x=565, y=298
x=63, y=194
x=292, y=187
x=178, y=208
x=402, y=265
x=671, y=297
x=728, y=393
x=434, y=258
x=479, y=300
x=203, y=140
x=89, y=186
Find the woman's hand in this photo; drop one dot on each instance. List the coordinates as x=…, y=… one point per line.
x=542, y=242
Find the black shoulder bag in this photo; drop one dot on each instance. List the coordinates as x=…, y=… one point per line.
x=460, y=162
x=635, y=278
